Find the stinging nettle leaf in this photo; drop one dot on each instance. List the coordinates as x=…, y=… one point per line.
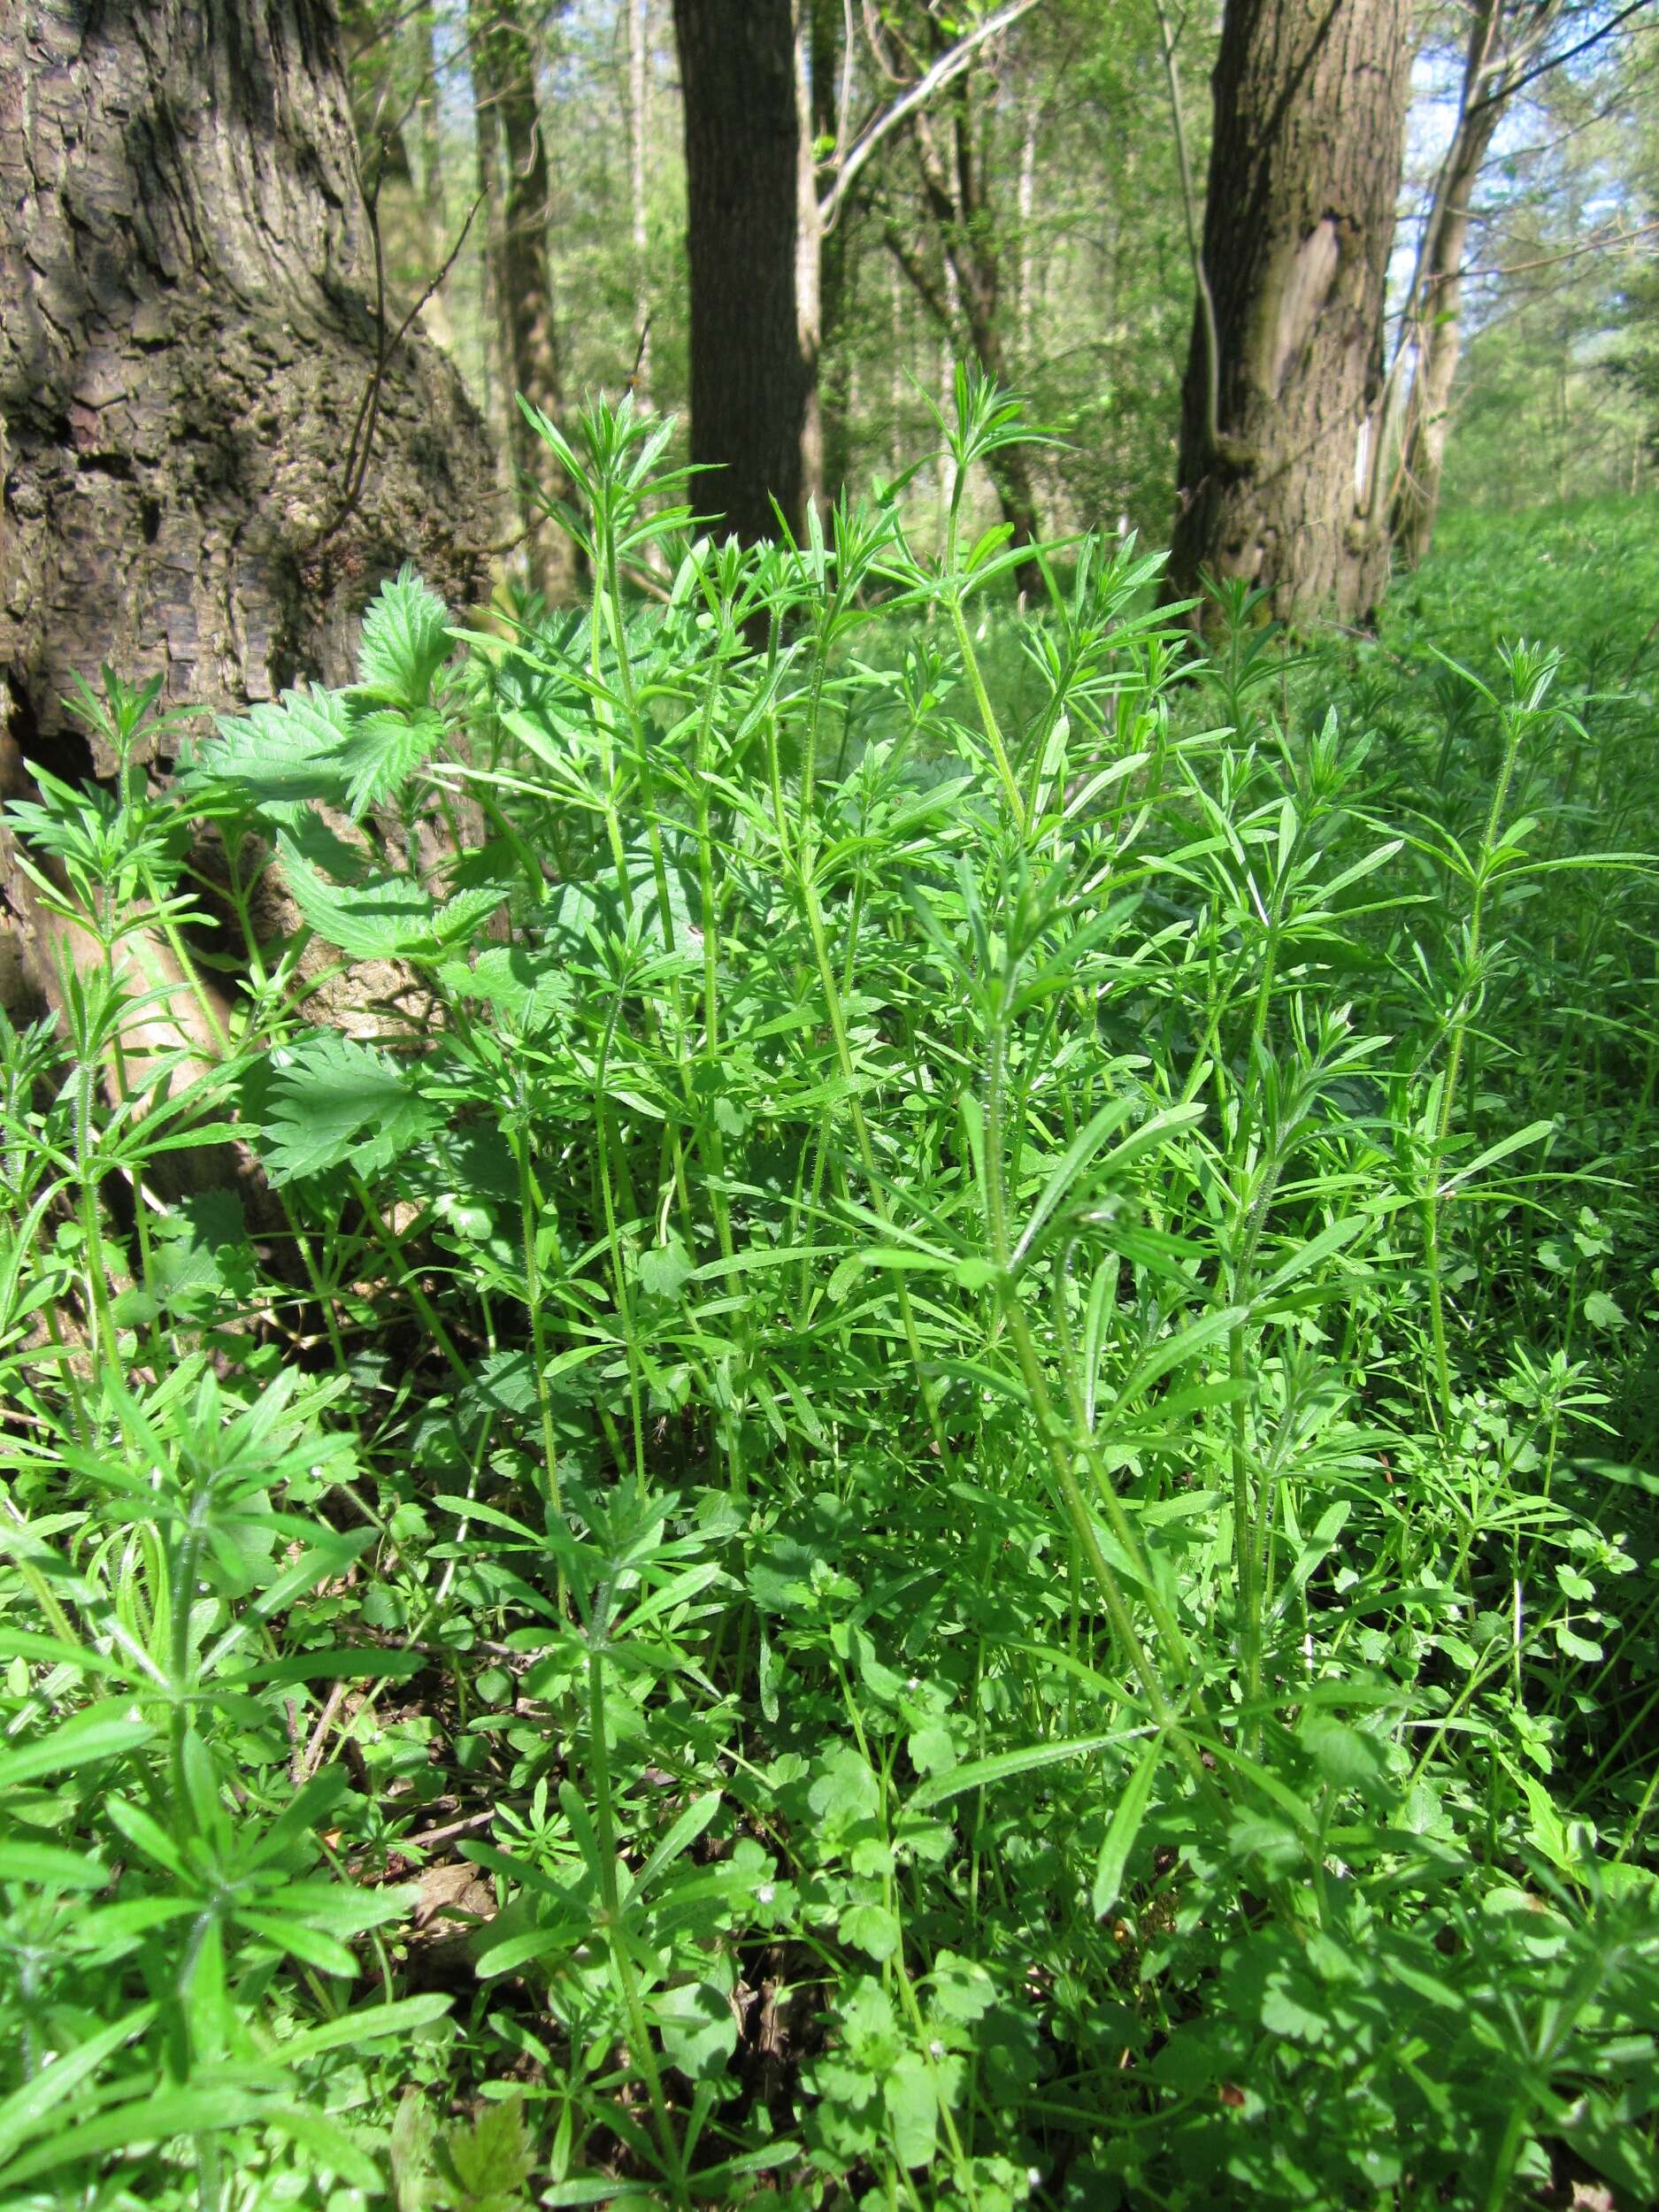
x=278, y=756
x=333, y=1099
x=406, y=641
x=392, y=919
x=384, y=749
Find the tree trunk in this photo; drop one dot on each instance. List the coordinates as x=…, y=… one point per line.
x=753, y=248
x=503, y=63
x=1304, y=171
x=1027, y=306
x=189, y=358
x=964, y=292
x=836, y=255
x=639, y=120
x=496, y=345
x=1434, y=311
x=1439, y=340
x=215, y=441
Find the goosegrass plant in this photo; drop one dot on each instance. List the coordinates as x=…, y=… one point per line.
x=868, y=1498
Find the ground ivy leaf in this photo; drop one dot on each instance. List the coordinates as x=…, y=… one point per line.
x=664, y=1270
x=845, y=1791
x=1602, y=1312
x=931, y=1749
x=872, y=1928
x=912, y=2106
x=1284, y=2013
x=699, y=2032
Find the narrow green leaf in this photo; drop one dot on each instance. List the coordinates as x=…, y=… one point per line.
x=1002, y=1766
x=1124, y=1827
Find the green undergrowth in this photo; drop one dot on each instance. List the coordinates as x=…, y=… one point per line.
x=921, y=1474
x=1585, y=575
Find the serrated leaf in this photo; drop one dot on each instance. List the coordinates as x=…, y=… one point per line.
x=391, y=919
x=406, y=641
x=333, y=1099
x=200, y=1252
x=528, y=987
x=383, y=750
x=278, y=756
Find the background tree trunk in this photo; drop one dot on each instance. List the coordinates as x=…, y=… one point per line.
x=639, y=131
x=1433, y=313
x=503, y=65
x=752, y=245
x=1438, y=342
x=1304, y=172
x=189, y=344
x=837, y=252
x=964, y=288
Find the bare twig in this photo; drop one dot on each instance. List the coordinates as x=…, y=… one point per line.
x=949, y=66
x=448, y=263
x=313, y=1757
x=1604, y=244
x=360, y=448
x=431, y=1836
x=1510, y=87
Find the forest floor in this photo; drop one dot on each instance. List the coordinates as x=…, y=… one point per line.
x=944, y=1491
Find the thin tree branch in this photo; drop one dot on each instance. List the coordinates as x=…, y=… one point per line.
x=360, y=448
x=949, y=66
x=844, y=99
x=1508, y=89
x=1570, y=253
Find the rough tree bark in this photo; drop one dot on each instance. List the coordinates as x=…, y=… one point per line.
x=1304, y=172
x=752, y=239
x=212, y=452
x=503, y=63
x=188, y=337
